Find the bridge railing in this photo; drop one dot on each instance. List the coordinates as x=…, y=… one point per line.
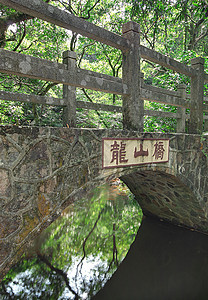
x=131, y=86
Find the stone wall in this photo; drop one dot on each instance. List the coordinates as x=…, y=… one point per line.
x=43, y=170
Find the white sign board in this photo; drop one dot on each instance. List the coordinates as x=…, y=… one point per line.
x=125, y=152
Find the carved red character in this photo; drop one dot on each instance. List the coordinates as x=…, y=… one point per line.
x=118, y=153
x=159, y=150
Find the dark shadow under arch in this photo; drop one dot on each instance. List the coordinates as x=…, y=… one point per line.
x=164, y=262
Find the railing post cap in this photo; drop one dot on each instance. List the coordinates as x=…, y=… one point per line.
x=130, y=26
x=197, y=60
x=182, y=86
x=69, y=54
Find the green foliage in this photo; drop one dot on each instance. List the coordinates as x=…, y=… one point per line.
x=175, y=28
x=153, y=124
x=10, y=113
x=80, y=251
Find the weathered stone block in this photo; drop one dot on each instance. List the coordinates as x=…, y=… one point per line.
x=5, y=185
x=8, y=152
x=36, y=163
x=9, y=225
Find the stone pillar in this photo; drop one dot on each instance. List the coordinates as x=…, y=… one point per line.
x=181, y=110
x=142, y=79
x=197, y=94
x=133, y=105
x=206, y=124
x=69, y=92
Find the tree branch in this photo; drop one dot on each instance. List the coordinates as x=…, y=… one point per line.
x=59, y=272
x=12, y=18
x=6, y=21
x=88, y=12
x=115, y=251
x=201, y=37
x=83, y=52
x=73, y=41
x=21, y=39
x=44, y=91
x=109, y=61
x=68, y=7
x=85, y=241
x=28, y=46
x=87, y=237
x=97, y=112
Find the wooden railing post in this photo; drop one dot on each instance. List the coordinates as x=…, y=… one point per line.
x=197, y=94
x=69, y=92
x=133, y=105
x=181, y=110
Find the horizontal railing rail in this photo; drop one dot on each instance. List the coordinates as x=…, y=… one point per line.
x=133, y=90
x=31, y=98
x=8, y=96
x=36, y=68
x=165, y=61
x=68, y=21
x=149, y=93
x=159, y=95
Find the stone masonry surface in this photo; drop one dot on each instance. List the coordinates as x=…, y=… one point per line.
x=44, y=170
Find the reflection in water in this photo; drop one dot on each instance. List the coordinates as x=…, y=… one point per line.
x=78, y=253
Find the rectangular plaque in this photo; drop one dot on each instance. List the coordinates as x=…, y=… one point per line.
x=125, y=152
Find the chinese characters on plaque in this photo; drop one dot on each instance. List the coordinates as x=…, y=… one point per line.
x=120, y=152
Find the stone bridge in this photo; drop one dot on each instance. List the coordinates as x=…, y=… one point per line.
x=43, y=170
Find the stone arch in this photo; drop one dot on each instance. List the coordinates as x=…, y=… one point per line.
x=162, y=194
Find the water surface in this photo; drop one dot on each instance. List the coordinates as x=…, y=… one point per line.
x=79, y=252
x=165, y=262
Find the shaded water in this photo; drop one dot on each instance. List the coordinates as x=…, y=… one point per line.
x=78, y=253
x=165, y=262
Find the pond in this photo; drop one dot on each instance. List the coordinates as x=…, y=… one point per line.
x=75, y=256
